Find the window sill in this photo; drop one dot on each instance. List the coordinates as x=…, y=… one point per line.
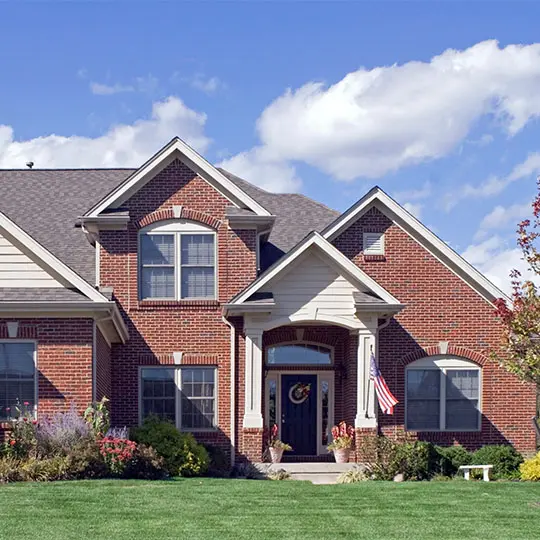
x=445, y=431
x=374, y=258
x=178, y=304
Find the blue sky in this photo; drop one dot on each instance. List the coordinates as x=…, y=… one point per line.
x=325, y=98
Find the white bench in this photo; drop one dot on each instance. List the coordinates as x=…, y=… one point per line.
x=467, y=471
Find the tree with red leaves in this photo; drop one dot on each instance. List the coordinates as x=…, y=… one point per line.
x=521, y=345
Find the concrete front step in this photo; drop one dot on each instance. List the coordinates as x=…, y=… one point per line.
x=316, y=473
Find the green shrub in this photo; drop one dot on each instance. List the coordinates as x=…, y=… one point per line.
x=280, y=474
x=45, y=470
x=85, y=461
x=530, y=469
x=504, y=458
x=352, y=476
x=219, y=463
x=10, y=470
x=182, y=454
x=250, y=471
x=145, y=464
x=450, y=458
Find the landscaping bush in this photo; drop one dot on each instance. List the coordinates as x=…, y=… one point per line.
x=10, y=470
x=86, y=462
x=504, y=458
x=182, y=454
x=145, y=464
x=60, y=434
x=530, y=469
x=450, y=458
x=45, y=470
x=352, y=476
x=117, y=453
x=219, y=464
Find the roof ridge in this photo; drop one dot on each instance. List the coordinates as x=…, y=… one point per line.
x=72, y=169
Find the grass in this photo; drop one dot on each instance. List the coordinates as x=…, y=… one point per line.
x=247, y=509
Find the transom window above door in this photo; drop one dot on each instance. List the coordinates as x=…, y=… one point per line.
x=177, y=261
x=299, y=354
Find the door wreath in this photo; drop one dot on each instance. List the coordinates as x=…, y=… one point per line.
x=299, y=392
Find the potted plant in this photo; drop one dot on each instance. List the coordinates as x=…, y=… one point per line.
x=276, y=446
x=343, y=438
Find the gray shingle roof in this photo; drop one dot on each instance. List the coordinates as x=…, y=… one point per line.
x=366, y=298
x=19, y=294
x=47, y=203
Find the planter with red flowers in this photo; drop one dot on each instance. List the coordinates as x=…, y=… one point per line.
x=276, y=447
x=343, y=440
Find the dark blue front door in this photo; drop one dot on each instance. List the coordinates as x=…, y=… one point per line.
x=299, y=413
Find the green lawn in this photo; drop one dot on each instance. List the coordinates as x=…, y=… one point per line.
x=220, y=509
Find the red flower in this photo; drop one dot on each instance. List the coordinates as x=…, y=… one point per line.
x=12, y=443
x=26, y=403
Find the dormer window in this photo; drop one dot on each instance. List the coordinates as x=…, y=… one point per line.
x=177, y=261
x=373, y=243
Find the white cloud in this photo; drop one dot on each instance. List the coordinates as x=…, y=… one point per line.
x=378, y=120
x=415, y=194
x=414, y=208
x=530, y=166
x=496, y=259
x=124, y=145
x=200, y=81
x=261, y=168
x=101, y=89
x=501, y=217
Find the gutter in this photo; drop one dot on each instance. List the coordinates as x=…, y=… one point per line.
x=233, y=389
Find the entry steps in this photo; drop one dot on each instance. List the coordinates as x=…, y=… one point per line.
x=316, y=473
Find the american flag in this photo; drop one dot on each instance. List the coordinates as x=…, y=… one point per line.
x=385, y=397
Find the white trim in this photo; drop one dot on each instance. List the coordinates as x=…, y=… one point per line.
x=276, y=375
x=330, y=348
x=433, y=244
x=443, y=365
x=56, y=267
x=97, y=247
x=178, y=148
x=94, y=359
x=373, y=250
x=315, y=239
x=36, y=370
x=177, y=369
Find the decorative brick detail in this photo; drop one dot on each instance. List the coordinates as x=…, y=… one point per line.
x=433, y=350
x=187, y=359
x=26, y=330
x=185, y=213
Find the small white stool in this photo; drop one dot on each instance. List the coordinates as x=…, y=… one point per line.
x=467, y=471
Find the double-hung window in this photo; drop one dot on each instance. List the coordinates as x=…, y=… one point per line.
x=17, y=377
x=443, y=394
x=177, y=261
x=183, y=395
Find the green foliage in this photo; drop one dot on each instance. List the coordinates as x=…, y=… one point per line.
x=450, y=458
x=280, y=474
x=504, y=458
x=182, y=454
x=385, y=458
x=97, y=415
x=352, y=476
x=10, y=470
x=145, y=464
x=32, y=469
x=22, y=442
x=85, y=461
x=250, y=471
x=530, y=469
x=219, y=464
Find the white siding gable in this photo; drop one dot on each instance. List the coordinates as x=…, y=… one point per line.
x=312, y=284
x=19, y=270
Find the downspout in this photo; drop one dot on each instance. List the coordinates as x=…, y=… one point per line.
x=233, y=389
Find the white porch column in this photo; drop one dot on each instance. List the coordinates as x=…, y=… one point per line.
x=253, y=379
x=365, y=411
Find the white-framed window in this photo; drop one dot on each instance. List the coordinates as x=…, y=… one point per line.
x=184, y=395
x=299, y=354
x=177, y=261
x=18, y=378
x=373, y=243
x=443, y=394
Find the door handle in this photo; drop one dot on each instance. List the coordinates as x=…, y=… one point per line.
x=282, y=418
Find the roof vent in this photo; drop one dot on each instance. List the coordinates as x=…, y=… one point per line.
x=29, y=164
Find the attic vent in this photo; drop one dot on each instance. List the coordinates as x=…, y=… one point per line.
x=373, y=243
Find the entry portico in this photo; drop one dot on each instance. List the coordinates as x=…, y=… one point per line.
x=310, y=324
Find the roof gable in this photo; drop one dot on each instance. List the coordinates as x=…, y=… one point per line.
x=325, y=250
x=177, y=149
x=42, y=259
x=376, y=197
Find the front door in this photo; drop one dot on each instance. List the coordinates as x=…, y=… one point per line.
x=299, y=413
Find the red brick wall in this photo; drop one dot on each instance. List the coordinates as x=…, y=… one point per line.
x=103, y=367
x=64, y=361
x=157, y=329
x=439, y=307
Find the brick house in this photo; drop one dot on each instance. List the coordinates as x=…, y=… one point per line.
x=181, y=290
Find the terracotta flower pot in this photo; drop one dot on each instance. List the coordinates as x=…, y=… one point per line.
x=341, y=455
x=276, y=454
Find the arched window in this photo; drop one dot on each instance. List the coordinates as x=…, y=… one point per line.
x=299, y=354
x=177, y=260
x=443, y=394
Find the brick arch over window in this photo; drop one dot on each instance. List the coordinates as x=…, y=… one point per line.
x=185, y=213
x=453, y=350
